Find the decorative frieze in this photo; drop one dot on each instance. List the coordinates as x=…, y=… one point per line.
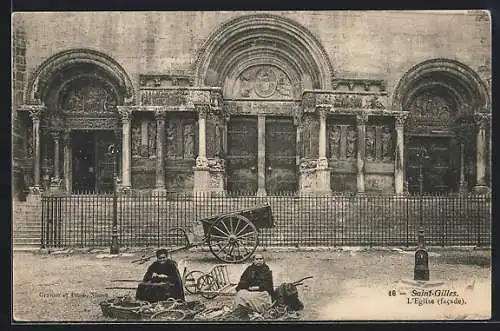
x=240, y=107
x=165, y=80
x=344, y=100
x=359, y=84
x=181, y=98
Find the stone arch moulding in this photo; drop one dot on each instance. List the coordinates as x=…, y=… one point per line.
x=39, y=82
x=452, y=74
x=262, y=30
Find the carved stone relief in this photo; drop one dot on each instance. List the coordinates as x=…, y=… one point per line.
x=370, y=142
x=429, y=109
x=136, y=138
x=152, y=137
x=334, y=141
x=88, y=98
x=264, y=82
x=188, y=140
x=29, y=141
x=351, y=141
x=387, y=143
x=171, y=132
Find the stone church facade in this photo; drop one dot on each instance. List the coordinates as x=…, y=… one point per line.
x=260, y=102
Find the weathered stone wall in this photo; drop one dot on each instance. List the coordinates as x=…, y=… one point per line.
x=380, y=45
x=18, y=122
x=374, y=45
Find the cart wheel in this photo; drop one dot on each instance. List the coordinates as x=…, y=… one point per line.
x=233, y=238
x=207, y=283
x=190, y=280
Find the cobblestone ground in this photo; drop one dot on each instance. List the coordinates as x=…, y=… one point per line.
x=347, y=285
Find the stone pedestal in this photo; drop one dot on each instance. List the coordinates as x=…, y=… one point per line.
x=209, y=175
x=314, y=177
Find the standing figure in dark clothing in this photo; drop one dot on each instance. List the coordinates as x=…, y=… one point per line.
x=161, y=281
x=255, y=289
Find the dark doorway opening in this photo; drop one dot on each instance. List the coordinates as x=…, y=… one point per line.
x=92, y=165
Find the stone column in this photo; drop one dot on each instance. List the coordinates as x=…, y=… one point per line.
x=201, y=170
x=126, y=117
x=261, y=155
x=67, y=160
x=361, y=120
x=35, y=113
x=160, y=134
x=399, y=178
x=322, y=135
x=55, y=136
x=482, y=121
x=462, y=188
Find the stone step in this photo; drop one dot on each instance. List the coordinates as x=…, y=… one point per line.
x=26, y=241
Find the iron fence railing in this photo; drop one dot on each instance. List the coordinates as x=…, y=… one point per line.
x=334, y=220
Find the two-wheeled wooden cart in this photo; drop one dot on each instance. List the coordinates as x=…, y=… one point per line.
x=232, y=237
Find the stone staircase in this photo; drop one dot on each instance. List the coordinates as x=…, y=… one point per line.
x=26, y=227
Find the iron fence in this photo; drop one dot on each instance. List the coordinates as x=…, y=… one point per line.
x=300, y=221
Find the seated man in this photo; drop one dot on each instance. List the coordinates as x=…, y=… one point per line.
x=255, y=289
x=161, y=281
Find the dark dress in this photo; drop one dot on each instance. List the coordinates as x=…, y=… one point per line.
x=260, y=276
x=155, y=289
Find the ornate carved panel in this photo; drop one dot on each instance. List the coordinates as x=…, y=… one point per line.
x=214, y=136
x=379, y=143
x=429, y=110
x=264, y=82
x=167, y=97
x=181, y=137
x=371, y=152
x=351, y=142
x=152, y=137
x=29, y=140
x=136, y=138
x=345, y=100
x=309, y=135
x=88, y=96
x=188, y=138
x=173, y=79
x=334, y=141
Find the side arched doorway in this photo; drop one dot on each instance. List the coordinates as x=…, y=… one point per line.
x=443, y=99
x=73, y=100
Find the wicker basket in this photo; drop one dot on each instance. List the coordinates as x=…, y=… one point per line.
x=125, y=313
x=169, y=315
x=147, y=311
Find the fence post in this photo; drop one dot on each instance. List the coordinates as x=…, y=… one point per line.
x=42, y=235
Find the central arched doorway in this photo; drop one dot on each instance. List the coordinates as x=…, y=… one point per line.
x=263, y=64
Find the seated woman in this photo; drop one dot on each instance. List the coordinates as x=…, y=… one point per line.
x=255, y=289
x=161, y=281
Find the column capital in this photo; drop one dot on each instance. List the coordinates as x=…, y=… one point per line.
x=401, y=118
x=35, y=111
x=160, y=114
x=66, y=135
x=56, y=134
x=202, y=110
x=362, y=118
x=322, y=111
x=482, y=120
x=125, y=113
